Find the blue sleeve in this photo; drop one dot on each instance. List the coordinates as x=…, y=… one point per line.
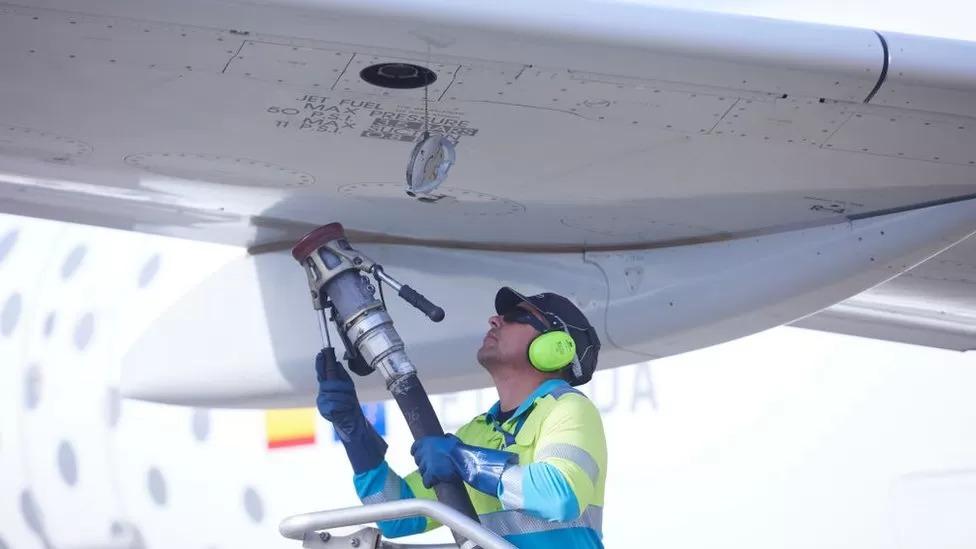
x=541, y=489
x=381, y=485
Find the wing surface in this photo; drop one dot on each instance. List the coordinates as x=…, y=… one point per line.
x=933, y=304
x=580, y=128
x=590, y=126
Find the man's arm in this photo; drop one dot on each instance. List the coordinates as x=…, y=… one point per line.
x=382, y=484
x=374, y=480
x=559, y=484
x=569, y=460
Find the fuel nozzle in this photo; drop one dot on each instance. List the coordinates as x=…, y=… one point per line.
x=325, y=253
x=337, y=279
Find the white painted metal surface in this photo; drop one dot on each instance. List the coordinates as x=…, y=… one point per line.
x=668, y=301
x=933, y=304
x=244, y=334
x=929, y=74
x=644, y=304
x=641, y=41
x=606, y=130
x=606, y=126
x=924, y=499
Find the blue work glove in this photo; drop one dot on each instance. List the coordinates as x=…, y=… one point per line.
x=446, y=459
x=337, y=402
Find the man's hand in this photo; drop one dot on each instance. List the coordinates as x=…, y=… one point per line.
x=446, y=459
x=337, y=400
x=433, y=457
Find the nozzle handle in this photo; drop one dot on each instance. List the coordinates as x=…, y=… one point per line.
x=414, y=298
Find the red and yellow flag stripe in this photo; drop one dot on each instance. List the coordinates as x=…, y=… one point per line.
x=290, y=427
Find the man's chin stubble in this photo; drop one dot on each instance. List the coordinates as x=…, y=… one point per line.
x=486, y=359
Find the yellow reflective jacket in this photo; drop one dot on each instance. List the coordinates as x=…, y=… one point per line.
x=552, y=498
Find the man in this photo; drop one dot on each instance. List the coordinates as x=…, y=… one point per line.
x=534, y=465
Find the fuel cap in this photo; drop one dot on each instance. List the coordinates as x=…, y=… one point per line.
x=430, y=161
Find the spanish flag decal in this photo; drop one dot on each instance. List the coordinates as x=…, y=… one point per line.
x=290, y=427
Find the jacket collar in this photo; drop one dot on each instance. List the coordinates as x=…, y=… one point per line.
x=542, y=390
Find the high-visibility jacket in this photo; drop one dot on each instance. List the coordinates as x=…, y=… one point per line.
x=552, y=498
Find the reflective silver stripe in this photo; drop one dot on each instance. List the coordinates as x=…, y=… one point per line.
x=390, y=491
x=511, y=497
x=572, y=453
x=508, y=523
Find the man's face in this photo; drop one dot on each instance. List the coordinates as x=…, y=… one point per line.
x=507, y=343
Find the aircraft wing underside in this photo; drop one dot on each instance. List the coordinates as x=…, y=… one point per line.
x=606, y=126
x=691, y=177
x=933, y=304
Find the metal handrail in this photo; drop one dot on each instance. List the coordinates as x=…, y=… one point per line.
x=296, y=526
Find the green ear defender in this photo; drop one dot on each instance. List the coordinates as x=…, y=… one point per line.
x=552, y=351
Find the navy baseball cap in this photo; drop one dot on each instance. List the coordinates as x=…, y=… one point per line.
x=560, y=312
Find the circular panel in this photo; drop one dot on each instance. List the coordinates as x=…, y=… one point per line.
x=219, y=169
x=67, y=463
x=31, y=513
x=149, y=271
x=10, y=315
x=128, y=534
x=113, y=407
x=253, y=505
x=465, y=202
x=201, y=424
x=33, y=383
x=38, y=145
x=49, y=324
x=84, y=330
x=399, y=76
x=157, y=486
x=72, y=262
x=7, y=244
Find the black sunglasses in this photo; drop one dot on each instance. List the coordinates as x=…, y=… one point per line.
x=521, y=316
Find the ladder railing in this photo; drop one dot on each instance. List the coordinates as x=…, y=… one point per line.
x=311, y=525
